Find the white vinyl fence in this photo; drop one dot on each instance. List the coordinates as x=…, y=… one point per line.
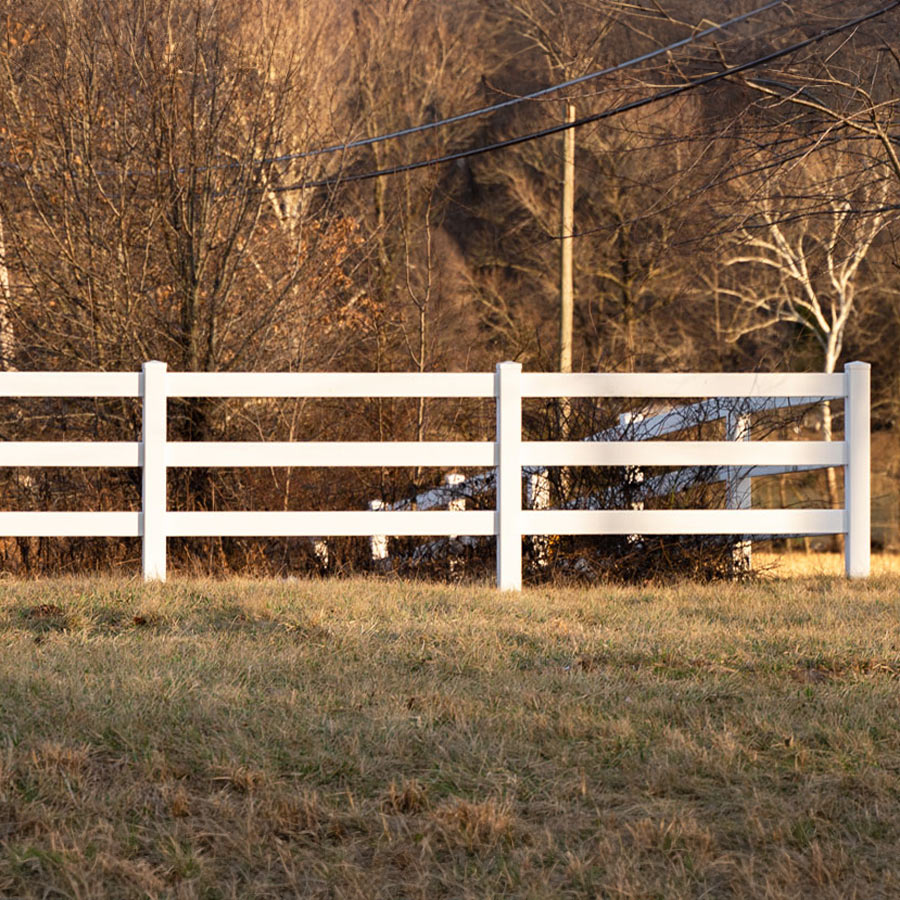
x=632, y=426
x=507, y=454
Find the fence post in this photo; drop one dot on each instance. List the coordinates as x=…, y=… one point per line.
x=634, y=475
x=857, y=487
x=453, y=481
x=378, y=543
x=320, y=551
x=153, y=504
x=537, y=496
x=508, y=391
x=739, y=493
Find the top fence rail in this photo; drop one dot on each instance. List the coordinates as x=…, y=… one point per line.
x=545, y=384
x=429, y=384
x=70, y=384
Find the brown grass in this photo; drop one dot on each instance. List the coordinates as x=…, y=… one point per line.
x=366, y=739
x=790, y=565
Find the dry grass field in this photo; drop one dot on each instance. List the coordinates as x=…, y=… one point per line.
x=790, y=565
x=377, y=739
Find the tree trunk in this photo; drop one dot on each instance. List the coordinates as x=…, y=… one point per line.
x=7, y=335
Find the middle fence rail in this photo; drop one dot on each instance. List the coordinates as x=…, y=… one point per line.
x=507, y=454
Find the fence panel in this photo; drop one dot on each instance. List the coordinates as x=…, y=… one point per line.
x=508, y=454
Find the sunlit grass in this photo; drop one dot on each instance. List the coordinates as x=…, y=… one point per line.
x=383, y=739
x=790, y=565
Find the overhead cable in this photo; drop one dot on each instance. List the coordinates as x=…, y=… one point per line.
x=586, y=120
x=484, y=110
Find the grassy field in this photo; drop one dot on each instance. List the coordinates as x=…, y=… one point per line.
x=366, y=739
x=790, y=565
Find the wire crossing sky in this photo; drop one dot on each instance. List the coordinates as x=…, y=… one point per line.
x=484, y=110
x=596, y=117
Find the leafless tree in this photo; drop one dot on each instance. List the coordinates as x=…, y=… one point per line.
x=812, y=229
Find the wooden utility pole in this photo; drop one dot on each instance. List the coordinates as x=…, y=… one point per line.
x=7, y=335
x=567, y=226
x=566, y=285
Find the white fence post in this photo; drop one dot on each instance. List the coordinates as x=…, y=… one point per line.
x=634, y=475
x=857, y=487
x=537, y=496
x=508, y=391
x=455, y=503
x=738, y=491
x=378, y=543
x=320, y=551
x=153, y=505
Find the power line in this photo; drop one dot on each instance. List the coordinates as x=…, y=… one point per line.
x=786, y=219
x=586, y=120
x=484, y=110
x=427, y=126
x=813, y=143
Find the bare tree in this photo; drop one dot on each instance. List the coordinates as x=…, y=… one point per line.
x=812, y=229
x=138, y=220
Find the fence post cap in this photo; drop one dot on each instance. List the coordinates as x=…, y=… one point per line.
x=509, y=364
x=155, y=363
x=857, y=365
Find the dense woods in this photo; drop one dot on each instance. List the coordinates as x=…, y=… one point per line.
x=163, y=197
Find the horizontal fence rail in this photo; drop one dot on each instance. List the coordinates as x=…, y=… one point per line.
x=337, y=453
x=329, y=384
x=71, y=384
x=681, y=453
x=712, y=384
x=126, y=454
x=71, y=524
x=313, y=524
x=683, y=521
x=508, y=455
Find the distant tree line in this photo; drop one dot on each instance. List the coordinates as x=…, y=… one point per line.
x=160, y=199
